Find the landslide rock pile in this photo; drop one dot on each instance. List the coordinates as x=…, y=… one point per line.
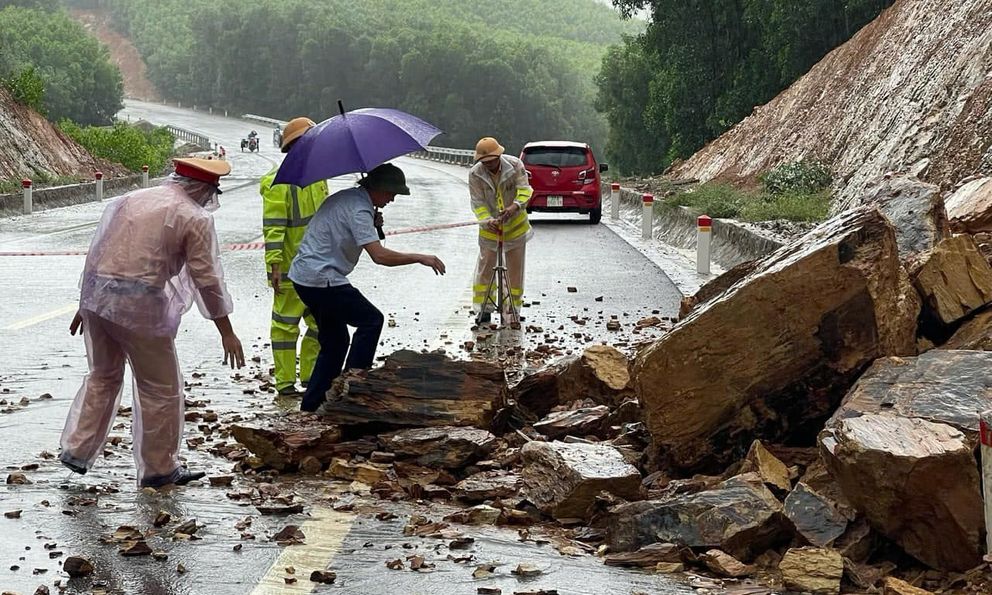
x=812, y=422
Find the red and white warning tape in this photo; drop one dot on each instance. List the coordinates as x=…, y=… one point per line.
x=255, y=245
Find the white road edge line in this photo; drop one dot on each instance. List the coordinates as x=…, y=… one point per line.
x=66, y=309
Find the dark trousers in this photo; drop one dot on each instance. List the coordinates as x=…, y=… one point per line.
x=335, y=309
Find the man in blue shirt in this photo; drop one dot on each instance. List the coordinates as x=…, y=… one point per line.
x=341, y=228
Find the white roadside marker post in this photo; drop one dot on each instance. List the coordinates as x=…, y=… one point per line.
x=647, y=216
x=614, y=201
x=28, y=201
x=144, y=176
x=704, y=228
x=99, y=186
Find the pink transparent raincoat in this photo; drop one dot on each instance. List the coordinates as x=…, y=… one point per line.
x=155, y=252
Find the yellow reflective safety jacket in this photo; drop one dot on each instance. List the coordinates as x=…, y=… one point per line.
x=286, y=211
x=489, y=199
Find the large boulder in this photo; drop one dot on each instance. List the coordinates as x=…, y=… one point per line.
x=739, y=516
x=902, y=447
x=772, y=356
x=943, y=386
x=564, y=479
x=914, y=208
x=421, y=390
x=970, y=207
x=915, y=481
x=954, y=279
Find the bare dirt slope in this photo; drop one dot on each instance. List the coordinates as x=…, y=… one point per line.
x=122, y=52
x=30, y=144
x=912, y=91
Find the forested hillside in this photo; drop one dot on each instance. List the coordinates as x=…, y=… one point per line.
x=49, y=62
x=702, y=65
x=517, y=69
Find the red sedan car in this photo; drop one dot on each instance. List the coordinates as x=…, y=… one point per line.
x=565, y=178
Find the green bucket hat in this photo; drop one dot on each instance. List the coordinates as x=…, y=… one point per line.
x=386, y=178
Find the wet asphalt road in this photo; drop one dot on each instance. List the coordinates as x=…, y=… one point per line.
x=36, y=304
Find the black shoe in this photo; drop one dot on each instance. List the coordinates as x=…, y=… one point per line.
x=179, y=477
x=288, y=391
x=74, y=464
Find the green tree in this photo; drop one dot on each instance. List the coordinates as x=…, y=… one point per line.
x=707, y=63
x=27, y=88
x=79, y=81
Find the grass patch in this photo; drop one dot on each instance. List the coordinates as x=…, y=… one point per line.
x=727, y=202
x=39, y=180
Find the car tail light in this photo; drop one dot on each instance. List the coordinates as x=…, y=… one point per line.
x=587, y=176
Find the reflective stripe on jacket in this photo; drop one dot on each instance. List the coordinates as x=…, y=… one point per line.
x=488, y=200
x=286, y=211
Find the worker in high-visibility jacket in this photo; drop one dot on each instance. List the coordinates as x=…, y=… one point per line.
x=499, y=191
x=286, y=210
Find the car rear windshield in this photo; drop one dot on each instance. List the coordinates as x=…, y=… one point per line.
x=555, y=156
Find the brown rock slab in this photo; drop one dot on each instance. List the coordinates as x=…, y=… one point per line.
x=913, y=207
x=446, y=447
x=487, y=485
x=422, y=390
x=772, y=356
x=18, y=479
x=812, y=570
x=285, y=441
x=77, y=566
x=715, y=287
x=725, y=565
x=974, y=334
x=586, y=421
x=816, y=518
x=739, y=516
x=970, y=207
x=601, y=374
x=366, y=473
x=771, y=470
x=954, y=279
x=564, y=479
x=325, y=577
x=647, y=557
x=894, y=586
x=670, y=567
x=476, y=515
x=915, y=481
x=943, y=386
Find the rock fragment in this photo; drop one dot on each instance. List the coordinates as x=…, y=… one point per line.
x=725, y=565
x=954, y=279
x=325, y=577
x=77, y=566
x=447, y=447
x=647, y=557
x=564, y=479
x=812, y=570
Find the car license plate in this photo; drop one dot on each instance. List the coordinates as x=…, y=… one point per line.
x=555, y=201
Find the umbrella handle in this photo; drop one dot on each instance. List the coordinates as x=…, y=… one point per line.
x=382, y=234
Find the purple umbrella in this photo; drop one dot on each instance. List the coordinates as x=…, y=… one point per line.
x=353, y=142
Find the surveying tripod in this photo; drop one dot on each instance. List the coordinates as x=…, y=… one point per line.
x=499, y=284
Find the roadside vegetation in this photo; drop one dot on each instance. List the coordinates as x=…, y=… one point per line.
x=517, y=69
x=128, y=145
x=702, y=65
x=798, y=191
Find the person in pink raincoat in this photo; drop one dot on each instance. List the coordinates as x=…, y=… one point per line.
x=155, y=252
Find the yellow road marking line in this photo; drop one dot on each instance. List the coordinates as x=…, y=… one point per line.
x=325, y=533
x=67, y=309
